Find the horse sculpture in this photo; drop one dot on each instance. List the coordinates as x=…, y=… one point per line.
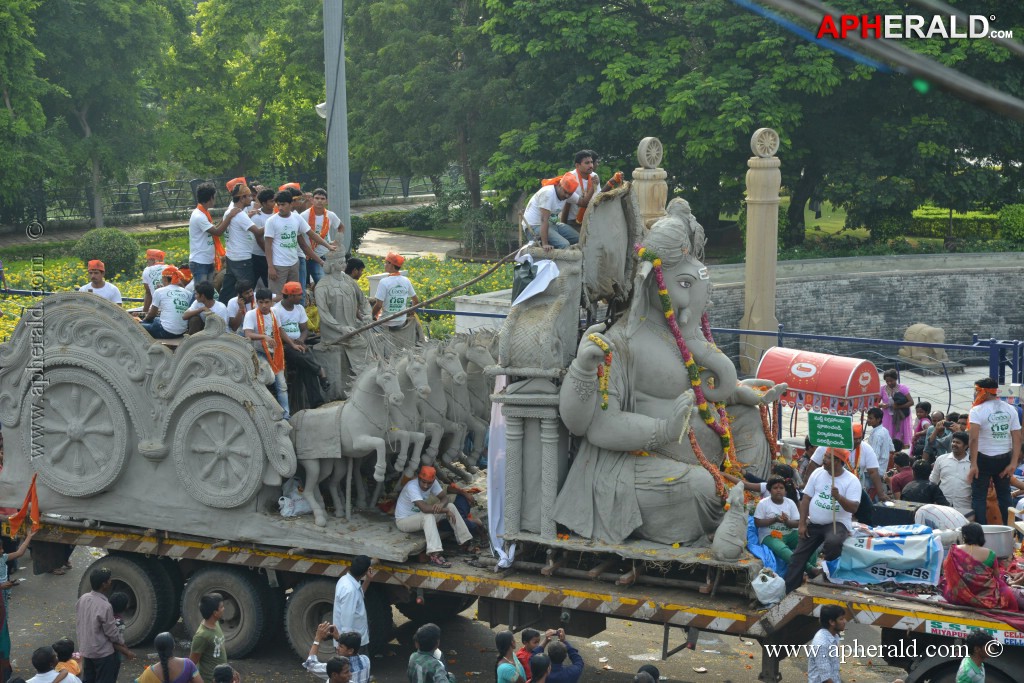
x=473, y=349
x=362, y=424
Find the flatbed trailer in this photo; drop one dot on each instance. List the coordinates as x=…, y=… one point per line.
x=268, y=588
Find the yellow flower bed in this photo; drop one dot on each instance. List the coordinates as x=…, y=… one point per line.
x=430, y=276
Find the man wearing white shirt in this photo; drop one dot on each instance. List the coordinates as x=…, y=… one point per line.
x=864, y=461
x=204, y=238
x=950, y=473
x=165, y=319
x=242, y=234
x=203, y=307
x=349, y=607
x=540, y=218
x=394, y=292
x=240, y=305
x=291, y=316
x=152, y=276
x=880, y=438
x=44, y=661
x=282, y=239
x=261, y=212
x=831, y=496
x=327, y=225
x=994, y=447
x=98, y=286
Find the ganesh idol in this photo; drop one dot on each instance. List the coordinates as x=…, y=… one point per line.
x=639, y=472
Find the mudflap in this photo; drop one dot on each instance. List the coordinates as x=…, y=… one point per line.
x=47, y=556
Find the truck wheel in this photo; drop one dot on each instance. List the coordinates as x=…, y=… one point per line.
x=436, y=607
x=243, y=594
x=149, y=594
x=310, y=604
x=380, y=619
x=81, y=444
x=217, y=452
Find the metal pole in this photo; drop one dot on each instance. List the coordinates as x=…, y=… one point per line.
x=337, y=115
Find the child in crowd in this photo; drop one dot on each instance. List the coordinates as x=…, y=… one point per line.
x=67, y=659
x=119, y=605
x=777, y=519
x=261, y=326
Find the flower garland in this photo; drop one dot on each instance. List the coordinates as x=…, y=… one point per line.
x=769, y=433
x=720, y=425
x=603, y=371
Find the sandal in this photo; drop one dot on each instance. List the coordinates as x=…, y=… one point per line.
x=439, y=561
x=59, y=571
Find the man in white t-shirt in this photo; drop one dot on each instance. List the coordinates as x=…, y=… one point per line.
x=394, y=293
x=260, y=214
x=240, y=305
x=864, y=461
x=281, y=237
x=203, y=307
x=327, y=226
x=538, y=224
x=261, y=326
x=242, y=235
x=165, y=319
x=98, y=286
x=204, y=238
x=152, y=276
x=831, y=496
x=950, y=473
x=995, y=446
x=291, y=316
x=421, y=504
x=880, y=438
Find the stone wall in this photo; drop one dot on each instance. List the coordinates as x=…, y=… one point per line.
x=881, y=303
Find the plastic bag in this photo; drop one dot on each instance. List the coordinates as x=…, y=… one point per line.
x=769, y=587
x=522, y=275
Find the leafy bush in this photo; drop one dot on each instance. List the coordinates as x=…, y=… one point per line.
x=118, y=250
x=422, y=218
x=1011, y=223
x=933, y=221
x=359, y=227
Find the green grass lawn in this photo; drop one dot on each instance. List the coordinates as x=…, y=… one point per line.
x=448, y=232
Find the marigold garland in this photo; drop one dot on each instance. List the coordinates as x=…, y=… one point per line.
x=604, y=372
x=720, y=487
x=769, y=433
x=720, y=425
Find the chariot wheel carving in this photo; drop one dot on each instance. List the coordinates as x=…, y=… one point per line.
x=78, y=435
x=217, y=452
x=649, y=152
x=764, y=143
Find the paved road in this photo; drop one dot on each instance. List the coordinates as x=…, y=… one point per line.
x=42, y=611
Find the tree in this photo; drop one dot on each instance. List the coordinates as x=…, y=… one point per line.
x=101, y=54
x=425, y=87
x=242, y=85
x=27, y=152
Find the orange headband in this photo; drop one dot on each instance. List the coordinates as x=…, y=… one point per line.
x=291, y=288
x=96, y=264
x=176, y=276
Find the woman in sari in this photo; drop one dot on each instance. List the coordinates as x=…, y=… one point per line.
x=170, y=669
x=895, y=402
x=971, y=575
x=5, y=585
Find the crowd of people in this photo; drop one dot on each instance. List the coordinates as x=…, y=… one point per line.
x=959, y=469
x=256, y=269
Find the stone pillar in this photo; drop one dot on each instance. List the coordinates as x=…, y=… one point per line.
x=550, y=479
x=649, y=184
x=513, y=473
x=763, y=181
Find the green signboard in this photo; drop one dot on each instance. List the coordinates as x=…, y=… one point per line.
x=831, y=431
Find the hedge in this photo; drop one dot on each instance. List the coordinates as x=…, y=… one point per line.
x=932, y=221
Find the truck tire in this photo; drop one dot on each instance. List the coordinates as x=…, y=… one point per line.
x=436, y=607
x=243, y=594
x=310, y=604
x=149, y=594
x=165, y=572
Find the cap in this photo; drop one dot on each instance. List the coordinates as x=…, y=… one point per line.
x=394, y=259
x=236, y=181
x=291, y=288
x=840, y=454
x=176, y=276
x=428, y=473
x=96, y=264
x=155, y=253
x=287, y=186
x=569, y=182
x=858, y=431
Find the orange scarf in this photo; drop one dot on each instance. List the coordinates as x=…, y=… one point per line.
x=218, y=247
x=276, y=359
x=325, y=227
x=856, y=461
x=980, y=396
x=583, y=193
